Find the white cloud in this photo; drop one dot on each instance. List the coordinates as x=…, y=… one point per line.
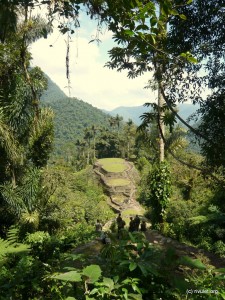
x=90, y=80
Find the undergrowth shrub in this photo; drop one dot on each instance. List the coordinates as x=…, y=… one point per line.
x=219, y=248
x=131, y=268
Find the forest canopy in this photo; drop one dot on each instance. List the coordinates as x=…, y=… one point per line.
x=50, y=207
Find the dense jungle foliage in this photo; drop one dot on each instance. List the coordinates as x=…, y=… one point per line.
x=49, y=206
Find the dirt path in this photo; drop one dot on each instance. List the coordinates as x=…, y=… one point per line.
x=182, y=249
x=92, y=249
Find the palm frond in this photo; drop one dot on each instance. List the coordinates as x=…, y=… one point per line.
x=17, y=109
x=147, y=119
x=29, y=189
x=9, y=143
x=176, y=140
x=30, y=218
x=12, y=197
x=41, y=138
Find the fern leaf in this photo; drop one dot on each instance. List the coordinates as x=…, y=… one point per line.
x=7, y=247
x=12, y=235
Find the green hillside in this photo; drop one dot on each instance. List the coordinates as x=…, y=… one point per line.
x=53, y=93
x=72, y=116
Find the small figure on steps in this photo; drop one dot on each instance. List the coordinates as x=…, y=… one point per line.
x=131, y=225
x=98, y=226
x=137, y=222
x=120, y=224
x=105, y=238
x=143, y=226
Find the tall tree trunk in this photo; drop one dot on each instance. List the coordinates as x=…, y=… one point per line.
x=160, y=68
x=94, y=154
x=161, y=125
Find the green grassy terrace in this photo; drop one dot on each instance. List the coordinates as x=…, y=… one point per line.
x=118, y=182
x=116, y=165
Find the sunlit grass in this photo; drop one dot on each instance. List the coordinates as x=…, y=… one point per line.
x=119, y=198
x=129, y=212
x=118, y=182
x=113, y=164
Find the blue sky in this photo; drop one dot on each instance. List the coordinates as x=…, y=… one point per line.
x=90, y=80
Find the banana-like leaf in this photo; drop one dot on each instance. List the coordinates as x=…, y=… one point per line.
x=72, y=276
x=92, y=272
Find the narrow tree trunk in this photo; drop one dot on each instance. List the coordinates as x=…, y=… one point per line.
x=161, y=125
x=128, y=149
x=161, y=101
x=94, y=148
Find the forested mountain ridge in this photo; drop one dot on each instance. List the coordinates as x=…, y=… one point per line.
x=53, y=92
x=134, y=112
x=80, y=115
x=72, y=116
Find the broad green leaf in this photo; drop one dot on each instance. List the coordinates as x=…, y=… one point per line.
x=109, y=283
x=193, y=263
x=183, y=17
x=92, y=272
x=174, y=12
x=139, y=246
x=116, y=279
x=135, y=288
x=128, y=32
x=94, y=291
x=152, y=38
x=72, y=276
x=189, y=57
x=70, y=298
x=189, y=1
x=153, y=21
x=125, y=293
x=132, y=266
x=164, y=9
x=192, y=59
x=142, y=27
x=135, y=296
x=127, y=281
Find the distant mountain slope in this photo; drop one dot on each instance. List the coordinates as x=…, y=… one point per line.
x=72, y=116
x=53, y=93
x=127, y=113
x=134, y=113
